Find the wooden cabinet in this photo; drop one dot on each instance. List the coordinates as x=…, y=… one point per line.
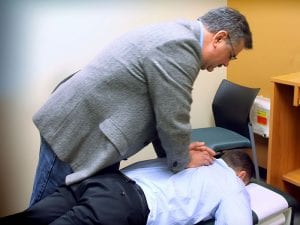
x=283, y=169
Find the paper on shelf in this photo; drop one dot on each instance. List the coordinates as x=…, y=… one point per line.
x=265, y=202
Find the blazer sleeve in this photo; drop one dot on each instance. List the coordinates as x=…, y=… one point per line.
x=160, y=152
x=171, y=70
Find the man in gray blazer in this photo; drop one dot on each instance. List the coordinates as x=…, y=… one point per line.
x=135, y=92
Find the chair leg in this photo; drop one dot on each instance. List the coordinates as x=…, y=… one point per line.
x=253, y=149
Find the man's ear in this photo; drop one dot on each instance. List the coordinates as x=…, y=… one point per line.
x=242, y=174
x=220, y=36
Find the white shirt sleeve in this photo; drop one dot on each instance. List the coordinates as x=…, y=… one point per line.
x=234, y=209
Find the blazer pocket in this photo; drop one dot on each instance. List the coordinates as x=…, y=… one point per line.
x=115, y=135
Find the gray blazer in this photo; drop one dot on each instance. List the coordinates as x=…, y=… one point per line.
x=136, y=91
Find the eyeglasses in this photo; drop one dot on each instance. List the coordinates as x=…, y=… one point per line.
x=232, y=53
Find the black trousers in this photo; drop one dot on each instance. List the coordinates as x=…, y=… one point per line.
x=106, y=199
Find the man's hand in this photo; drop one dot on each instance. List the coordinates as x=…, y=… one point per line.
x=200, y=155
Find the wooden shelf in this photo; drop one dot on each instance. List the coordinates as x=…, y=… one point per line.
x=296, y=101
x=292, y=79
x=283, y=167
x=293, y=177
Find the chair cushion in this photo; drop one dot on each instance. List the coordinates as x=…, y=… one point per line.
x=219, y=138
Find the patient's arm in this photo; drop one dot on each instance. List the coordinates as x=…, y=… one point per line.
x=234, y=209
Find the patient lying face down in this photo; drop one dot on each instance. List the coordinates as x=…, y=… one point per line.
x=147, y=192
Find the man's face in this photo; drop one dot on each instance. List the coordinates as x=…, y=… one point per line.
x=219, y=51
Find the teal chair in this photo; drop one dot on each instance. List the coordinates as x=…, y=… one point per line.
x=231, y=108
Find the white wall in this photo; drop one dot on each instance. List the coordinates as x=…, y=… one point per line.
x=49, y=40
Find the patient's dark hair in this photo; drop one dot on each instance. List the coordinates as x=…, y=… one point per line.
x=239, y=160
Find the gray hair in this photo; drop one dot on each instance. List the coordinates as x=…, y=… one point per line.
x=230, y=20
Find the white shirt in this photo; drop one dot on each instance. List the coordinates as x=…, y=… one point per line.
x=192, y=195
x=201, y=34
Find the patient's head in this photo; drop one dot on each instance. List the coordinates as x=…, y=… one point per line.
x=241, y=163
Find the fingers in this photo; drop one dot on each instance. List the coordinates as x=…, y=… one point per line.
x=200, y=154
x=200, y=146
x=207, y=158
x=200, y=158
x=207, y=150
x=196, y=144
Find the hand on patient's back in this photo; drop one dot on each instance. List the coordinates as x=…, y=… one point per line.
x=200, y=157
x=200, y=146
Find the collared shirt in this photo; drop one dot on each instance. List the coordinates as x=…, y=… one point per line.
x=201, y=34
x=192, y=195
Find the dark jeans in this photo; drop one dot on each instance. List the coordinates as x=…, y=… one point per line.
x=51, y=173
x=106, y=199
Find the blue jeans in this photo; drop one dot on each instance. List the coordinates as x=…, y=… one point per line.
x=50, y=173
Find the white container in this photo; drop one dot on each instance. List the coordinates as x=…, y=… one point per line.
x=260, y=116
